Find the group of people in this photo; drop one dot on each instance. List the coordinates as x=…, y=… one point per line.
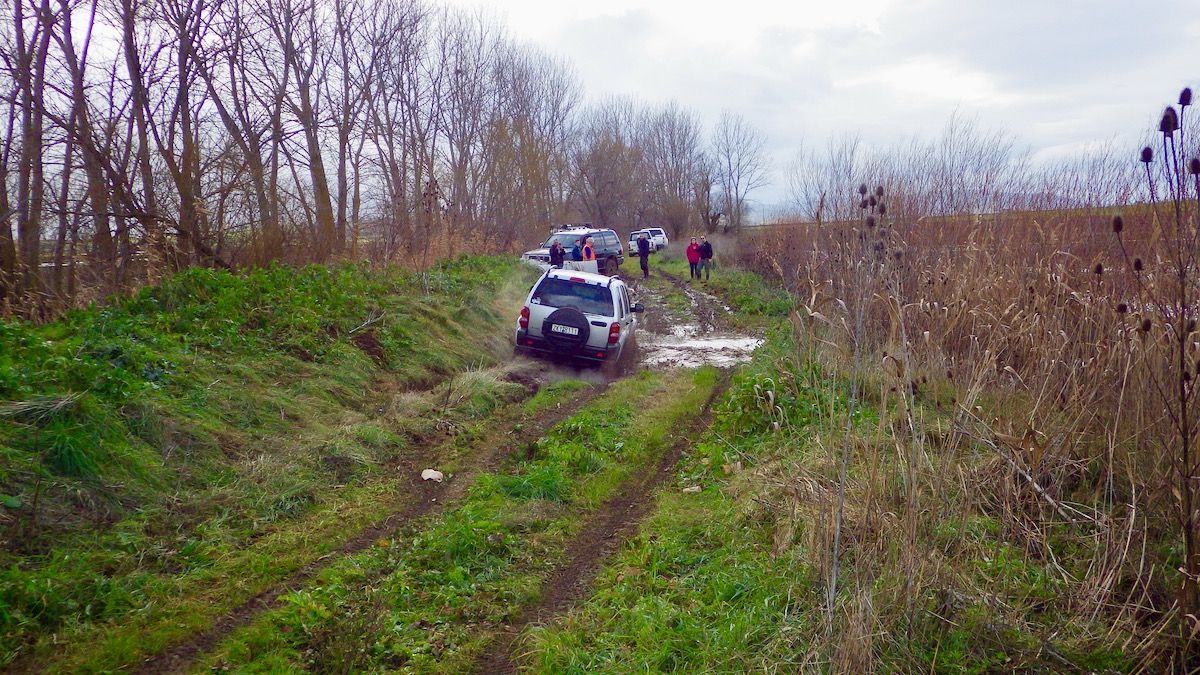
x=699, y=254
x=584, y=249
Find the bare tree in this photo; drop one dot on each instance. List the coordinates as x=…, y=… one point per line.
x=675, y=166
x=608, y=166
x=741, y=164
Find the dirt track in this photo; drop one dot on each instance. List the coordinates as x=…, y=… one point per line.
x=422, y=498
x=668, y=338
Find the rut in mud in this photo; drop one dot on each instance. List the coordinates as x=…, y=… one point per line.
x=423, y=498
x=604, y=532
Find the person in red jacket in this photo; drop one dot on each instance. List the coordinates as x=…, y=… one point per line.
x=693, y=256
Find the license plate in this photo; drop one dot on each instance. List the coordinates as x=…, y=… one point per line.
x=565, y=330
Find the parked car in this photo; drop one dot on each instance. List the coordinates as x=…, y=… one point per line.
x=633, y=240
x=578, y=315
x=656, y=235
x=659, y=237
x=609, y=252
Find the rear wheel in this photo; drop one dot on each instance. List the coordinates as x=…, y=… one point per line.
x=610, y=267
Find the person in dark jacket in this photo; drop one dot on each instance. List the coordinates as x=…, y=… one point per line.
x=706, y=255
x=644, y=254
x=577, y=251
x=557, y=253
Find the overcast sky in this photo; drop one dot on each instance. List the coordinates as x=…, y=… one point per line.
x=1056, y=74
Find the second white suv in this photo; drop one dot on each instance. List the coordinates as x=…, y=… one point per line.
x=656, y=235
x=578, y=315
x=659, y=237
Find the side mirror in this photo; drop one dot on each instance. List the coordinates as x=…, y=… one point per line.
x=637, y=307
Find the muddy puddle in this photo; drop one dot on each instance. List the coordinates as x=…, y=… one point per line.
x=671, y=336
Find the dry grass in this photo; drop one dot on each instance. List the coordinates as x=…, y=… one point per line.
x=1008, y=385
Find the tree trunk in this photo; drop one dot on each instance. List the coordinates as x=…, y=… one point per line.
x=141, y=106
x=103, y=248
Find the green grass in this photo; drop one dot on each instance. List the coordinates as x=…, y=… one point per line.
x=694, y=592
x=757, y=302
x=165, y=456
x=430, y=600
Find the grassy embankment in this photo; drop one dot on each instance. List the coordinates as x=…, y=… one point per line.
x=432, y=598
x=733, y=577
x=165, y=458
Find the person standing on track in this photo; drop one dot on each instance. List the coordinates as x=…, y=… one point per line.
x=644, y=254
x=589, y=249
x=693, y=257
x=557, y=253
x=577, y=250
x=706, y=256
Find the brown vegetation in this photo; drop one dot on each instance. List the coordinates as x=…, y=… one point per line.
x=1055, y=347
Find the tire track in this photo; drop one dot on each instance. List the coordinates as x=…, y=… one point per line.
x=423, y=498
x=601, y=536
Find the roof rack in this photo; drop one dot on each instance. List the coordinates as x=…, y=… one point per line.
x=572, y=226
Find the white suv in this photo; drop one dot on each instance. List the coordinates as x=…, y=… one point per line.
x=577, y=314
x=656, y=235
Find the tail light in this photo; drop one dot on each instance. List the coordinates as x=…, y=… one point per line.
x=614, y=334
x=523, y=322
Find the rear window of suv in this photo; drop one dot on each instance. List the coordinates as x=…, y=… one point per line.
x=583, y=297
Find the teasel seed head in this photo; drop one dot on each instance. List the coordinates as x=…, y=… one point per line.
x=862, y=204
x=1194, y=166
x=1099, y=269
x=1118, y=224
x=1191, y=326
x=1137, y=264
x=1185, y=97
x=1122, y=308
x=1147, y=155
x=1170, y=122
x=883, y=210
x=870, y=221
x=879, y=191
x=872, y=201
x=1145, y=325
x=862, y=188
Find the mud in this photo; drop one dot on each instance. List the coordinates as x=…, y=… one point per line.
x=670, y=337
